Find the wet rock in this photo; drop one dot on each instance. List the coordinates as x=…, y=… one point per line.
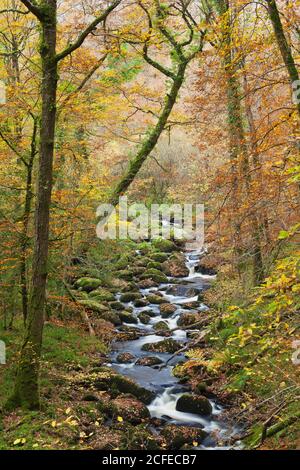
x=101, y=295
x=159, y=257
x=108, y=380
x=93, y=305
x=176, y=266
x=167, y=310
x=156, y=299
x=194, y=404
x=155, y=275
x=120, y=285
x=146, y=283
x=130, y=296
x=183, y=290
x=177, y=436
x=125, y=358
x=127, y=317
x=138, y=270
x=187, y=319
x=111, y=317
x=116, y=305
x=88, y=284
x=165, y=346
x=161, y=326
x=149, y=361
x=141, y=303
x=144, y=318
x=154, y=265
x=125, y=274
x=191, y=305
x=165, y=246
x=128, y=333
x=130, y=409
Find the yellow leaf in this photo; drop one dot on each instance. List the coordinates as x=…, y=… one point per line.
x=68, y=411
x=120, y=419
x=53, y=424
x=195, y=443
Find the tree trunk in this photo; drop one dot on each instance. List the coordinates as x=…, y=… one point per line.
x=285, y=49
x=26, y=393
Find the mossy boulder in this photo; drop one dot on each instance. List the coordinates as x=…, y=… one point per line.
x=165, y=246
x=93, y=305
x=168, y=345
x=177, y=436
x=154, y=265
x=140, y=303
x=188, y=319
x=88, y=284
x=159, y=257
x=156, y=276
x=156, y=299
x=149, y=361
x=125, y=358
x=176, y=266
x=144, y=318
x=130, y=297
x=146, y=283
x=116, y=305
x=167, y=310
x=130, y=409
x=127, y=317
x=125, y=274
x=194, y=404
x=112, y=317
x=161, y=326
x=102, y=295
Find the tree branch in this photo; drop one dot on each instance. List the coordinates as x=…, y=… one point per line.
x=80, y=40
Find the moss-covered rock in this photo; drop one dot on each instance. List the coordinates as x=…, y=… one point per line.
x=111, y=317
x=159, y=257
x=88, y=284
x=144, y=318
x=161, y=326
x=165, y=246
x=176, y=266
x=149, y=361
x=125, y=358
x=155, y=275
x=156, y=299
x=168, y=345
x=93, y=305
x=194, y=404
x=127, y=317
x=101, y=294
x=125, y=274
x=188, y=319
x=116, y=305
x=167, y=310
x=140, y=303
x=177, y=436
x=130, y=409
x=154, y=265
x=130, y=297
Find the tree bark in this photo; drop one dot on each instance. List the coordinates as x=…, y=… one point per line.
x=284, y=47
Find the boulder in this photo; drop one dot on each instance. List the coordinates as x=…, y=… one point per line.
x=125, y=274
x=187, y=319
x=93, y=305
x=130, y=409
x=88, y=284
x=177, y=436
x=101, y=294
x=111, y=317
x=140, y=303
x=168, y=345
x=130, y=297
x=161, y=326
x=146, y=283
x=125, y=358
x=116, y=305
x=194, y=404
x=165, y=246
x=155, y=275
x=159, y=257
x=176, y=266
x=144, y=318
x=149, y=361
x=127, y=317
x=154, y=265
x=167, y=310
x=156, y=299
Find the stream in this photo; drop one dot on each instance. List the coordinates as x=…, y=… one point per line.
x=160, y=379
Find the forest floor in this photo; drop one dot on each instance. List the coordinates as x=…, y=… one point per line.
x=256, y=382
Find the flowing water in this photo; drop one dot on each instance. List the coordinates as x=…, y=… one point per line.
x=160, y=379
